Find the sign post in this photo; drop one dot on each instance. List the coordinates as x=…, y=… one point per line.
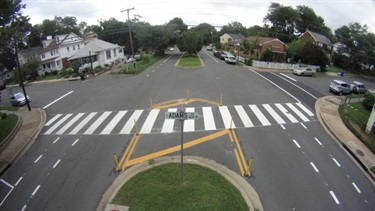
x=182, y=116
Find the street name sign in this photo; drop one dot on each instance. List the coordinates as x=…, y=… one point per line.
x=181, y=115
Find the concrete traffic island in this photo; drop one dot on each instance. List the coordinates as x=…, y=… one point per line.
x=249, y=194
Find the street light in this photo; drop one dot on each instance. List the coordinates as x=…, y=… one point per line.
x=92, y=70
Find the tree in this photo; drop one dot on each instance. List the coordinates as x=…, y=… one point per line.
x=155, y=38
x=177, y=25
x=258, y=31
x=190, y=42
x=283, y=21
x=314, y=55
x=207, y=31
x=234, y=27
x=294, y=50
x=308, y=20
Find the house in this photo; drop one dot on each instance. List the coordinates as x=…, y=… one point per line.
x=102, y=53
x=30, y=54
x=319, y=40
x=277, y=47
x=225, y=38
x=55, y=51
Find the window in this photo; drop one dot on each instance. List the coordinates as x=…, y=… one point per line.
x=48, y=65
x=43, y=56
x=67, y=48
x=108, y=53
x=44, y=66
x=120, y=50
x=74, y=47
x=79, y=47
x=58, y=63
x=114, y=53
x=52, y=53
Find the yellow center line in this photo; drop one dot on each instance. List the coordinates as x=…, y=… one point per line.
x=239, y=149
x=130, y=152
x=126, y=152
x=170, y=103
x=239, y=161
x=175, y=148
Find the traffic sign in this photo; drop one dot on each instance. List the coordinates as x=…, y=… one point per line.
x=181, y=115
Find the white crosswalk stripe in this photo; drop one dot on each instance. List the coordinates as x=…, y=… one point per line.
x=153, y=121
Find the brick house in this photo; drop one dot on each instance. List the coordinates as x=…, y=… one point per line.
x=277, y=47
x=319, y=40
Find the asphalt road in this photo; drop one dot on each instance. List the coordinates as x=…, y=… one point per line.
x=297, y=166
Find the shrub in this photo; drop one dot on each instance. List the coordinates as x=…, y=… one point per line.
x=46, y=73
x=4, y=115
x=369, y=100
x=55, y=72
x=249, y=61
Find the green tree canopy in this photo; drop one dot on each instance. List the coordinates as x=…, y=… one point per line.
x=190, y=42
x=207, y=31
x=155, y=38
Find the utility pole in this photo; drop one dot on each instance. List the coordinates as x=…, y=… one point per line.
x=130, y=31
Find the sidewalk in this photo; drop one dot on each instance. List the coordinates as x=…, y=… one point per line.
x=31, y=123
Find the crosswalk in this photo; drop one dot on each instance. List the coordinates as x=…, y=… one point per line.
x=153, y=121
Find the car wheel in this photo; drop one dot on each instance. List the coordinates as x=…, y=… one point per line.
x=340, y=93
x=312, y=75
x=302, y=74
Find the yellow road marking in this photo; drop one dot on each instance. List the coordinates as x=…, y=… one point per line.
x=170, y=103
x=130, y=152
x=239, y=161
x=175, y=148
x=126, y=152
x=239, y=149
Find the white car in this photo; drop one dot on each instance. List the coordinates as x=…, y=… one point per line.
x=230, y=59
x=18, y=99
x=304, y=71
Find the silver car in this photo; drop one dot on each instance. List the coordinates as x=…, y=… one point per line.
x=339, y=87
x=358, y=87
x=304, y=71
x=18, y=99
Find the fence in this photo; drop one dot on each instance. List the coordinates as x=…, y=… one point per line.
x=282, y=66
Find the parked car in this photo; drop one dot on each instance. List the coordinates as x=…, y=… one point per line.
x=339, y=87
x=230, y=59
x=217, y=53
x=304, y=71
x=18, y=99
x=358, y=87
x=2, y=85
x=209, y=48
x=222, y=56
x=137, y=56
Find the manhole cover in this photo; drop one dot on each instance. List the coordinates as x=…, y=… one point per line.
x=359, y=152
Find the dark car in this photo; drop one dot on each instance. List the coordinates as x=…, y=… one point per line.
x=222, y=55
x=2, y=85
x=217, y=53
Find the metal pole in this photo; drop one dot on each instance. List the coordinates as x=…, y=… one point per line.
x=182, y=149
x=21, y=81
x=92, y=69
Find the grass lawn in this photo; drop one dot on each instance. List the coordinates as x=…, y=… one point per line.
x=7, y=125
x=335, y=69
x=9, y=108
x=140, y=65
x=160, y=188
x=51, y=77
x=189, y=61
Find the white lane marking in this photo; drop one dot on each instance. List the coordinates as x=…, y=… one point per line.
x=306, y=110
x=273, y=113
x=56, y=140
x=355, y=186
x=153, y=70
x=83, y=123
x=337, y=163
x=318, y=141
x=211, y=57
x=227, y=118
x=130, y=123
x=288, y=77
x=96, y=124
x=208, y=117
x=57, y=163
x=18, y=181
x=74, y=143
x=275, y=85
x=70, y=123
x=58, y=99
x=49, y=131
x=313, y=165
x=303, y=125
x=149, y=123
x=52, y=120
x=296, y=143
x=286, y=113
x=244, y=117
x=112, y=124
x=282, y=126
x=168, y=123
x=40, y=156
x=36, y=190
x=23, y=208
x=259, y=115
x=189, y=124
x=11, y=189
x=334, y=197
x=303, y=117
x=297, y=86
x=168, y=58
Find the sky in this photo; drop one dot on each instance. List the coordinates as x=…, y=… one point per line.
x=335, y=13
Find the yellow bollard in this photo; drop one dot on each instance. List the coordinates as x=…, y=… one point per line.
x=151, y=102
x=117, y=164
x=221, y=99
x=136, y=127
x=188, y=93
x=231, y=121
x=248, y=167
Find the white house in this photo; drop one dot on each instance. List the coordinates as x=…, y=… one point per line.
x=55, y=52
x=102, y=53
x=227, y=37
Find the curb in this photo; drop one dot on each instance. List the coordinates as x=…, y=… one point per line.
x=334, y=136
x=249, y=194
